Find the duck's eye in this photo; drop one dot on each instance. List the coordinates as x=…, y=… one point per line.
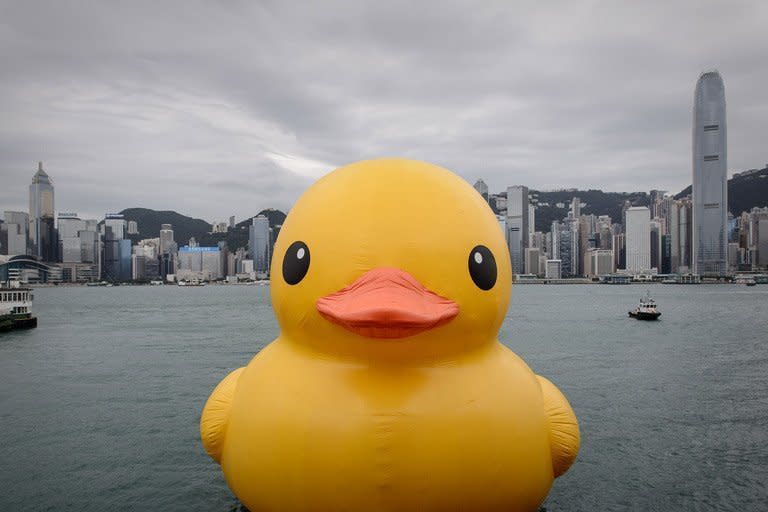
x=482, y=267
x=296, y=263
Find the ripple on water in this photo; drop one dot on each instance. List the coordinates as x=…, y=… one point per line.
x=100, y=404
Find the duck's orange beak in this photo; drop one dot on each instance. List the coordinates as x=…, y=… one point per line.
x=387, y=303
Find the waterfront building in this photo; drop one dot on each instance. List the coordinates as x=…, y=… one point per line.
x=638, y=237
x=619, y=250
x=554, y=269
x=14, y=234
x=566, y=254
x=69, y=226
x=600, y=262
x=710, y=186
x=532, y=260
x=762, y=241
x=117, y=255
x=202, y=263
x=655, y=243
x=41, y=221
x=138, y=267
x=259, y=244
x=554, y=242
x=517, y=226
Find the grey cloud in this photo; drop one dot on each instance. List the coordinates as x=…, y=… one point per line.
x=226, y=108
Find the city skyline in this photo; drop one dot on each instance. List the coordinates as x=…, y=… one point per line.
x=165, y=111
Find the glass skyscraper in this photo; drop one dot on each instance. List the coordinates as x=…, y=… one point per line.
x=41, y=228
x=710, y=182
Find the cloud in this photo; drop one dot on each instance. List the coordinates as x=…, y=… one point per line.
x=221, y=108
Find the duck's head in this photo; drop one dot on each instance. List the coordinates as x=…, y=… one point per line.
x=391, y=258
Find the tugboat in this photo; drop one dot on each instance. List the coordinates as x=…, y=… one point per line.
x=646, y=310
x=16, y=307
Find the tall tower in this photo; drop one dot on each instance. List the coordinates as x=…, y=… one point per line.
x=41, y=224
x=517, y=226
x=638, y=239
x=258, y=243
x=710, y=182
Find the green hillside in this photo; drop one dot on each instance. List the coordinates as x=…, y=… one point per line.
x=149, y=222
x=597, y=202
x=184, y=227
x=745, y=191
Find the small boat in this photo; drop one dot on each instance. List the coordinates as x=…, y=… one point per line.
x=646, y=310
x=16, y=307
x=193, y=282
x=745, y=280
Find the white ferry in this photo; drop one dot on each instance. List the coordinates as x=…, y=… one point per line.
x=16, y=307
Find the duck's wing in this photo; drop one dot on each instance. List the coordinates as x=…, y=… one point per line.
x=563, y=427
x=213, y=422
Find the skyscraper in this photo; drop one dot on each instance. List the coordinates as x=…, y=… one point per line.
x=638, y=239
x=14, y=233
x=41, y=224
x=258, y=243
x=166, y=238
x=710, y=187
x=481, y=188
x=517, y=226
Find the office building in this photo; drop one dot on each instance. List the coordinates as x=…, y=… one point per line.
x=202, y=263
x=259, y=244
x=554, y=269
x=532, y=260
x=599, y=262
x=517, y=226
x=710, y=187
x=116, y=258
x=481, y=188
x=14, y=234
x=638, y=239
x=41, y=221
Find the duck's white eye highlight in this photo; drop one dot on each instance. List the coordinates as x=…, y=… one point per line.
x=478, y=258
x=301, y=252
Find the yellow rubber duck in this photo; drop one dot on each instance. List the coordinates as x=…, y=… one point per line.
x=387, y=388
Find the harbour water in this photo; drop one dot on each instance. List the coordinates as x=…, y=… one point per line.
x=99, y=405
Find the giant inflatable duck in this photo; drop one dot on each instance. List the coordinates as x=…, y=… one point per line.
x=387, y=388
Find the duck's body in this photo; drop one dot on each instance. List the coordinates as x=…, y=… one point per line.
x=386, y=395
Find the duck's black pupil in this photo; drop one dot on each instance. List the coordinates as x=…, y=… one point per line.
x=482, y=267
x=296, y=263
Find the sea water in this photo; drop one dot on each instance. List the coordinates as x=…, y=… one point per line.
x=99, y=406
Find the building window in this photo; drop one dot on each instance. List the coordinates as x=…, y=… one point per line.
x=711, y=158
x=711, y=127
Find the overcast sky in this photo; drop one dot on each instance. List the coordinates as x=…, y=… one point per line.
x=224, y=108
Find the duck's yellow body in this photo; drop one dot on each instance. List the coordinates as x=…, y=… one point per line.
x=381, y=393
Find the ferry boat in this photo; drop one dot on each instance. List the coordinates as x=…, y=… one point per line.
x=193, y=282
x=16, y=307
x=646, y=310
x=746, y=280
